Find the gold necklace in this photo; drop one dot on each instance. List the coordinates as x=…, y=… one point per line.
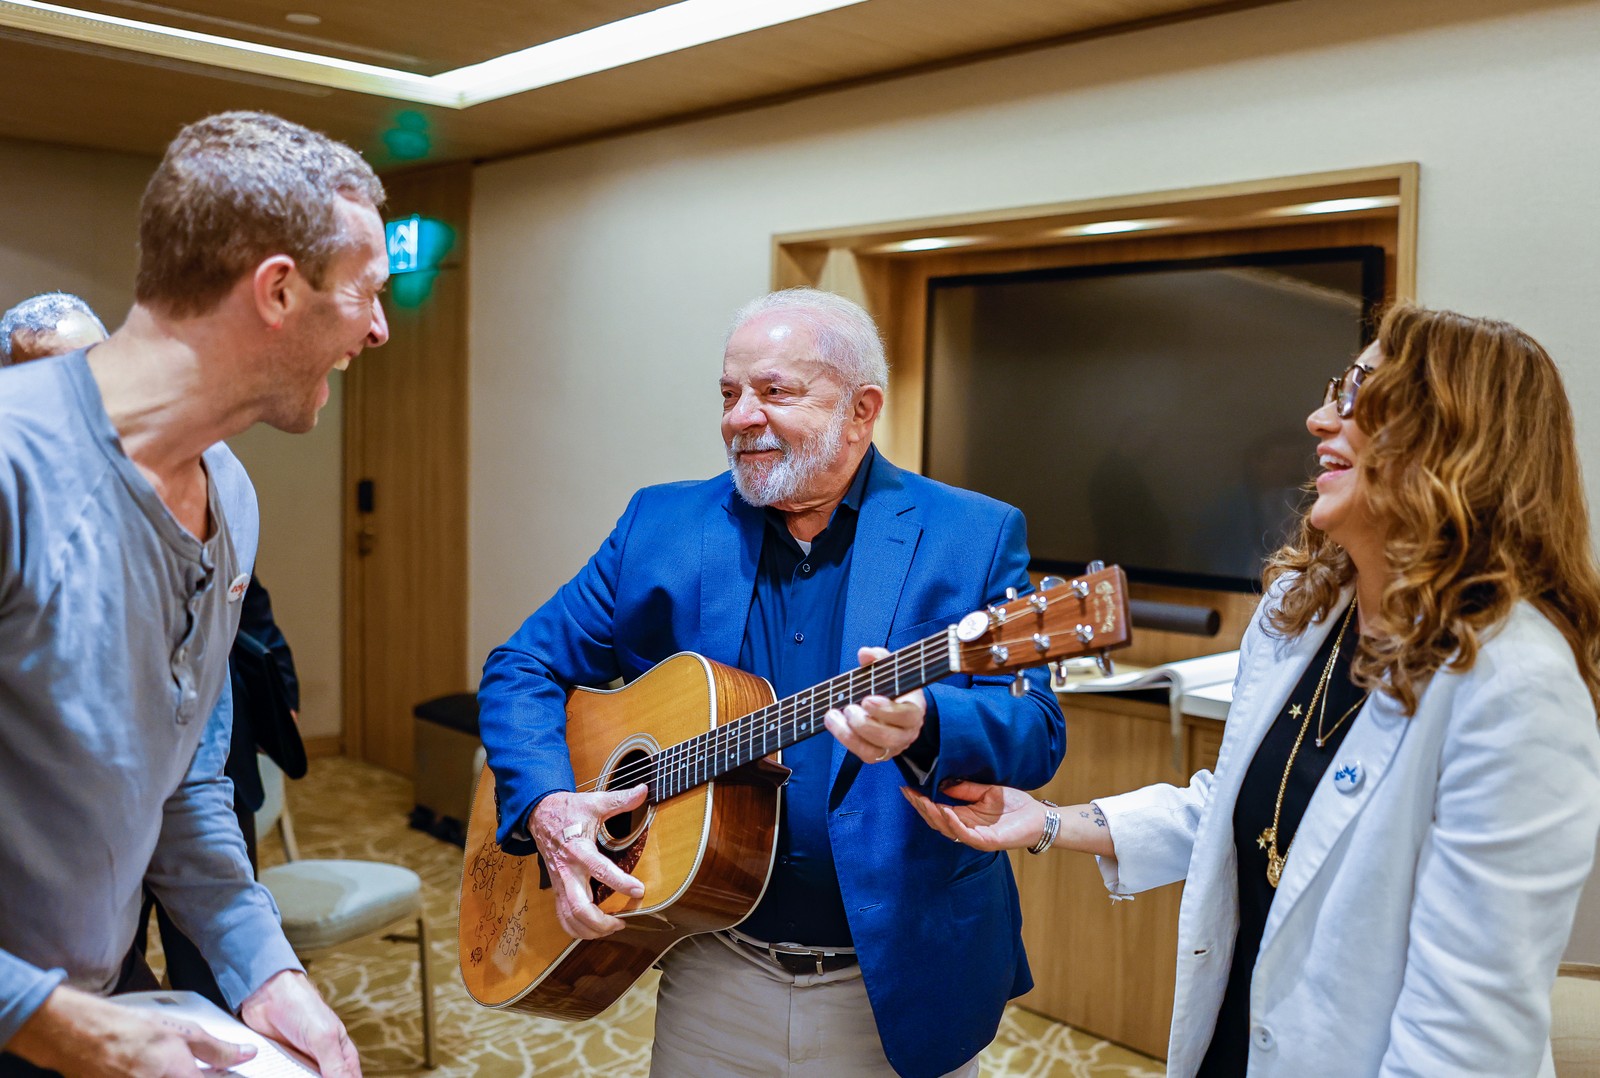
x=1269, y=838
x=1323, y=737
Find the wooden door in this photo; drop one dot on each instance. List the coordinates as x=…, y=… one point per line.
x=405, y=494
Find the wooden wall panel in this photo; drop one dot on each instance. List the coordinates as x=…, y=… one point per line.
x=1106, y=967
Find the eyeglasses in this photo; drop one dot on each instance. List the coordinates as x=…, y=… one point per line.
x=1343, y=389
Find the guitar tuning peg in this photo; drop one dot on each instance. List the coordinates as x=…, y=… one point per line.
x=1019, y=685
x=1080, y=588
x=1050, y=583
x=1011, y=593
x=1062, y=669
x=1094, y=566
x=1102, y=659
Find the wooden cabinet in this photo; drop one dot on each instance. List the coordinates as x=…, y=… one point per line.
x=1101, y=966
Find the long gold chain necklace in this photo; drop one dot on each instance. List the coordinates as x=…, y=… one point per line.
x=1269, y=838
x=1322, y=738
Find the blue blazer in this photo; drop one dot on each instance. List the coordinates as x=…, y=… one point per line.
x=936, y=925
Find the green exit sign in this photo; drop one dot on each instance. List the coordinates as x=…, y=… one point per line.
x=405, y=244
x=417, y=246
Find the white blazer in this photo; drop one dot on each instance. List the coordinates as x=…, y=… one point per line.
x=1423, y=912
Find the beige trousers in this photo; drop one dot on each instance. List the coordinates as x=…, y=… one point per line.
x=726, y=1012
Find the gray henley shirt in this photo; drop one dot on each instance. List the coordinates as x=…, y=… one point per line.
x=115, y=711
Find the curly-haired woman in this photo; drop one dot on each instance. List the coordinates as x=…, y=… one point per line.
x=1384, y=867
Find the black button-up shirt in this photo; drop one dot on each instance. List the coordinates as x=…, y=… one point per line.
x=793, y=639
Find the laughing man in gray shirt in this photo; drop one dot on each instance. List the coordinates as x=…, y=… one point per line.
x=127, y=533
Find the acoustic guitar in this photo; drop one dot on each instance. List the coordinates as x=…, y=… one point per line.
x=704, y=737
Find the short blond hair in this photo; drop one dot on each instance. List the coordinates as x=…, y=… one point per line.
x=233, y=190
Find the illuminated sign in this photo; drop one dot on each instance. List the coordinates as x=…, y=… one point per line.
x=405, y=244
x=417, y=246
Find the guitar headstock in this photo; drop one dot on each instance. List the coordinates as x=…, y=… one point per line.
x=1064, y=619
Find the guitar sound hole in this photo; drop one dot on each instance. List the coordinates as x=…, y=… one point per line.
x=631, y=769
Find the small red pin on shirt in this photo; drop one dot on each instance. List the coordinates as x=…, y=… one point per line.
x=237, y=589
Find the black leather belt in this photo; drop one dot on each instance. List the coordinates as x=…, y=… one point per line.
x=795, y=958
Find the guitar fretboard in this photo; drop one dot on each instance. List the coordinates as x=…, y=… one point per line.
x=711, y=755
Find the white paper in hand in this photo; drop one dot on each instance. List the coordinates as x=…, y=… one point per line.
x=273, y=1060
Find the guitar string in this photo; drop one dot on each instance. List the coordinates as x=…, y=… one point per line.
x=784, y=715
x=690, y=757
x=740, y=735
x=744, y=729
x=693, y=754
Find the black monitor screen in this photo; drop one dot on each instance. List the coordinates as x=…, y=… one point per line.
x=1152, y=414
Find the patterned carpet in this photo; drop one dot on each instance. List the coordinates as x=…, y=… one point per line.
x=348, y=809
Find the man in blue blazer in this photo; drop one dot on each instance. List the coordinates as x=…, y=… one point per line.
x=813, y=553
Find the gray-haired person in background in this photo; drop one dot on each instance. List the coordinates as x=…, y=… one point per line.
x=127, y=539
x=49, y=324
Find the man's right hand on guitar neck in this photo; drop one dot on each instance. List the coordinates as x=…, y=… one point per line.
x=564, y=826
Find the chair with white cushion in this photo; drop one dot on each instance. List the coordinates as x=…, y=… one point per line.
x=328, y=904
x=1575, y=1021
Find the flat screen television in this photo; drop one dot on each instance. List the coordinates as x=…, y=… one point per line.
x=1150, y=414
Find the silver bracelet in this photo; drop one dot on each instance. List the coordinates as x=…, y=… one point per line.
x=1052, y=824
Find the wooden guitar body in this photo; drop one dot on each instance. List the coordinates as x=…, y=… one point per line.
x=703, y=856
x=705, y=737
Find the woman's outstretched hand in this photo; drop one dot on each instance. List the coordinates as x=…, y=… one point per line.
x=993, y=818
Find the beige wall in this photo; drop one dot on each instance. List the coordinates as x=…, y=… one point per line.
x=603, y=273
x=69, y=222
x=298, y=479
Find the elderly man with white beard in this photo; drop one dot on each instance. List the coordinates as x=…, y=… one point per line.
x=811, y=554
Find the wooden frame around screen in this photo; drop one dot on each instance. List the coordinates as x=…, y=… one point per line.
x=1235, y=218
x=1227, y=219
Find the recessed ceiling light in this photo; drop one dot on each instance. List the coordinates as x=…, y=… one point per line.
x=639, y=37
x=303, y=18
x=166, y=15
x=1110, y=228
x=1336, y=205
x=925, y=243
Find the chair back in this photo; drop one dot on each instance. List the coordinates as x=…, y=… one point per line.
x=272, y=791
x=274, y=810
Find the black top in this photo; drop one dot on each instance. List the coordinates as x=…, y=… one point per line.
x=265, y=692
x=1229, y=1053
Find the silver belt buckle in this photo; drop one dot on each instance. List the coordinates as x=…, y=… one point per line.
x=796, y=950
